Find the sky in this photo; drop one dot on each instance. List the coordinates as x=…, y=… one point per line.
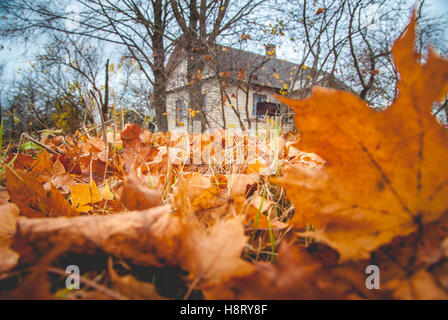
x=288, y=50
x=17, y=56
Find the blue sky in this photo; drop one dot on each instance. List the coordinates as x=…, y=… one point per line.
x=16, y=56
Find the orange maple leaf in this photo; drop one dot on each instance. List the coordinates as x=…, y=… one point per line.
x=385, y=173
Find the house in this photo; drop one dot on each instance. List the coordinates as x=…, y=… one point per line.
x=238, y=89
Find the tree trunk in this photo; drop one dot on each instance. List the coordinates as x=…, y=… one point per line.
x=159, y=101
x=159, y=70
x=194, y=76
x=105, y=106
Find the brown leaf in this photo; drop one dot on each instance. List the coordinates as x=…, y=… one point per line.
x=8, y=219
x=242, y=184
x=385, y=172
x=137, y=196
x=32, y=199
x=295, y=276
x=4, y=196
x=420, y=285
x=195, y=196
x=150, y=237
x=131, y=287
x=320, y=10
x=225, y=74
x=84, y=196
x=134, y=150
x=214, y=256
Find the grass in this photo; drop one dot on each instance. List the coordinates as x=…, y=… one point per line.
x=263, y=243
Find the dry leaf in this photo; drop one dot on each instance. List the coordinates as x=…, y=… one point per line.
x=32, y=199
x=8, y=219
x=420, y=285
x=295, y=276
x=137, y=196
x=84, y=196
x=214, y=256
x=242, y=184
x=106, y=193
x=195, y=196
x=134, y=150
x=131, y=287
x=150, y=237
x=385, y=172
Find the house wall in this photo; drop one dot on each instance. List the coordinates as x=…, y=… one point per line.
x=178, y=89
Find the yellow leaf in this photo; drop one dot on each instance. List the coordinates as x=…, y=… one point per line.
x=385, y=173
x=106, y=193
x=83, y=194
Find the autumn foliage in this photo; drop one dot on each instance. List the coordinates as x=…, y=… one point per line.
x=355, y=187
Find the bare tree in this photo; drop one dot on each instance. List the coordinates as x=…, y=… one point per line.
x=201, y=23
x=138, y=26
x=351, y=40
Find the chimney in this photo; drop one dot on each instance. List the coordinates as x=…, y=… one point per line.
x=270, y=51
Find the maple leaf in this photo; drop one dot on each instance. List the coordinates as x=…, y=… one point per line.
x=8, y=218
x=136, y=196
x=134, y=149
x=196, y=196
x=85, y=194
x=385, y=173
x=148, y=237
x=131, y=287
x=214, y=256
x=295, y=276
x=49, y=172
x=31, y=197
x=241, y=184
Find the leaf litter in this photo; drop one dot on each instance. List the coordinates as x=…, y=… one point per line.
x=354, y=187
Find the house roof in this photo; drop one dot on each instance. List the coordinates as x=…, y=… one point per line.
x=264, y=71
x=269, y=72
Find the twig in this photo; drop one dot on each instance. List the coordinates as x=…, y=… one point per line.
x=90, y=130
x=91, y=284
x=39, y=144
x=273, y=229
x=191, y=287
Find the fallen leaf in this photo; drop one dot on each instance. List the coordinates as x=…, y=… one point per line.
x=196, y=196
x=420, y=285
x=134, y=150
x=149, y=237
x=8, y=219
x=214, y=256
x=295, y=276
x=106, y=193
x=131, y=287
x=385, y=172
x=32, y=199
x=84, y=196
x=137, y=196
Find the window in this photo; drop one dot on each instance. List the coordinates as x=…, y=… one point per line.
x=288, y=118
x=180, y=113
x=204, y=103
x=258, y=98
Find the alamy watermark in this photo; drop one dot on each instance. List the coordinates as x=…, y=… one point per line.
x=229, y=147
x=72, y=281
x=373, y=280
